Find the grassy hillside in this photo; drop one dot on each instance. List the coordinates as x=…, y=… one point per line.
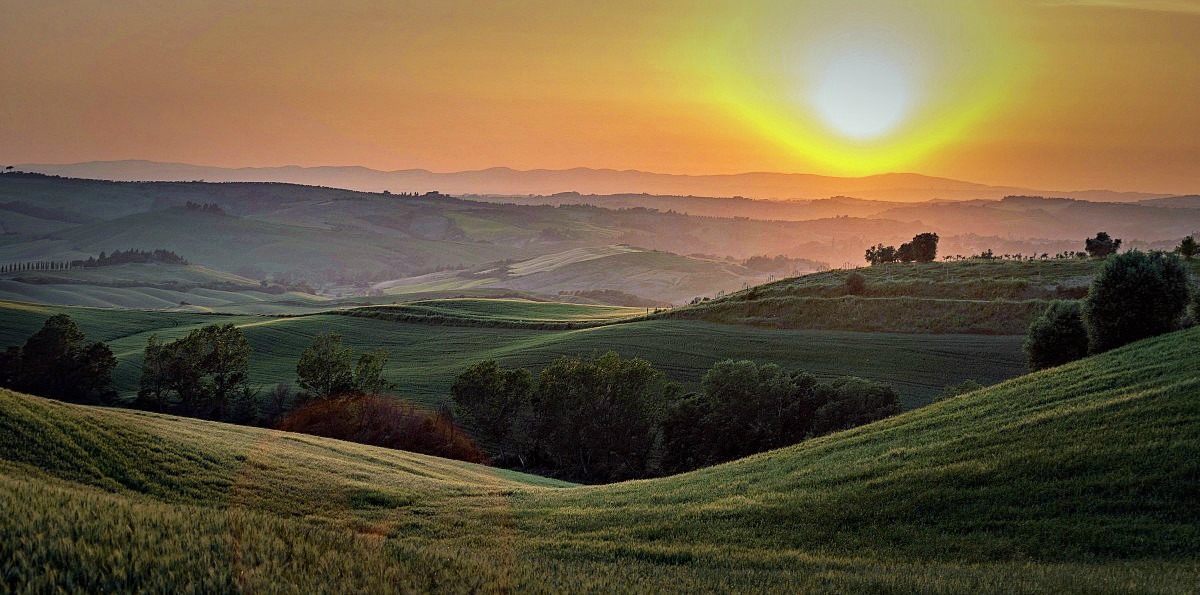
x=978, y=296
x=661, y=277
x=425, y=358
x=1084, y=478
x=152, y=286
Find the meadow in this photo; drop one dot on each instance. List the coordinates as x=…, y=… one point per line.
x=425, y=358
x=1083, y=478
x=975, y=296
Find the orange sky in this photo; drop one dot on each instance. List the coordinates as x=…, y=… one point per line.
x=1039, y=93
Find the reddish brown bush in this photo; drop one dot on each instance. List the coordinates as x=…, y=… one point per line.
x=384, y=421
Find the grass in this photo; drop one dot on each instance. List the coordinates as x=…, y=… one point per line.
x=659, y=276
x=995, y=297
x=498, y=312
x=1083, y=478
x=425, y=359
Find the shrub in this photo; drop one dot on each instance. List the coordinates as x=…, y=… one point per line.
x=953, y=390
x=1135, y=296
x=1057, y=337
x=856, y=283
x=384, y=421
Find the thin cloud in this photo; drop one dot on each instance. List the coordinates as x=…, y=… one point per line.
x=1177, y=6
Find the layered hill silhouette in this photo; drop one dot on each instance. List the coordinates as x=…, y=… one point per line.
x=902, y=187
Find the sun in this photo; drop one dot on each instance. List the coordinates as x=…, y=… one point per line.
x=857, y=87
x=863, y=95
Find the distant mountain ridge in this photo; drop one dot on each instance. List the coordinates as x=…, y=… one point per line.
x=900, y=187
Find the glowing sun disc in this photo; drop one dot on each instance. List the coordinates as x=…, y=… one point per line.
x=863, y=95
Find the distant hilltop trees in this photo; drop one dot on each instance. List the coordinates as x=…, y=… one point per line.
x=922, y=248
x=211, y=208
x=117, y=257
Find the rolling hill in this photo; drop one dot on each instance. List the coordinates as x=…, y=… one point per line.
x=154, y=286
x=347, y=243
x=1083, y=478
x=431, y=342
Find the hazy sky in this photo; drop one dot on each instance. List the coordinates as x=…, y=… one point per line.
x=1042, y=93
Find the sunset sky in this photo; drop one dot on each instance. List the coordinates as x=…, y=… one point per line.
x=1039, y=93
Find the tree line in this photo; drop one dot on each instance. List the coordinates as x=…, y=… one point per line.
x=922, y=248
x=103, y=260
x=607, y=418
x=58, y=363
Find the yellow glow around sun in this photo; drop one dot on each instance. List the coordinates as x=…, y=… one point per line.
x=860, y=87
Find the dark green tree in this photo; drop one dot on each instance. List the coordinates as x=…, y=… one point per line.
x=851, y=402
x=92, y=377
x=880, y=254
x=199, y=374
x=1188, y=248
x=1135, y=296
x=924, y=247
x=603, y=415
x=1056, y=337
x=49, y=356
x=368, y=373
x=495, y=405
x=10, y=367
x=1102, y=246
x=325, y=368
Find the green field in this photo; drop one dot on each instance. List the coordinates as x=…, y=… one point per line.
x=994, y=297
x=504, y=311
x=1084, y=478
x=662, y=277
x=425, y=358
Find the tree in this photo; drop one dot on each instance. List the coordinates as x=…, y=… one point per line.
x=325, y=368
x=152, y=386
x=225, y=356
x=200, y=374
x=1101, y=246
x=275, y=404
x=368, y=373
x=1188, y=247
x=850, y=402
x=48, y=357
x=10, y=367
x=1056, y=337
x=880, y=254
x=55, y=362
x=924, y=247
x=92, y=377
x=494, y=403
x=906, y=253
x=601, y=415
x=1135, y=296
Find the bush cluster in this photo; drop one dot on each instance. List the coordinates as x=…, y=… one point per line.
x=1137, y=295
